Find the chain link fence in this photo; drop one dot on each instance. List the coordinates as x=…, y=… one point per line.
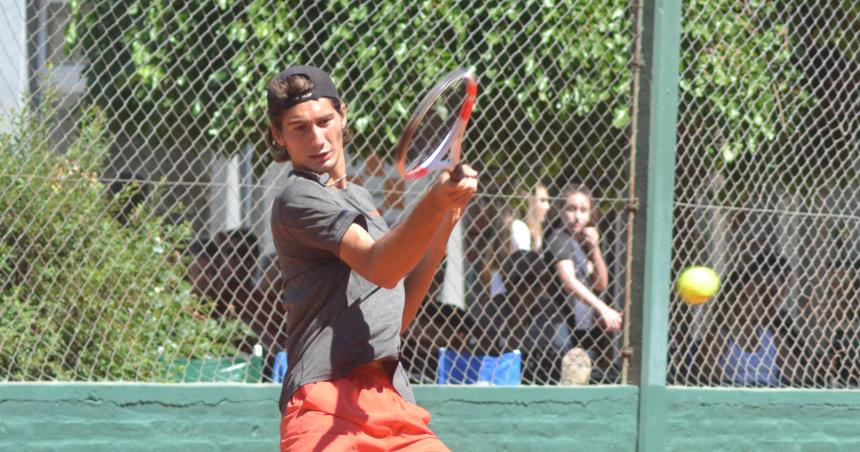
x=770, y=198
x=135, y=186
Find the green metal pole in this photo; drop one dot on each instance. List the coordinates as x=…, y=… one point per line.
x=654, y=166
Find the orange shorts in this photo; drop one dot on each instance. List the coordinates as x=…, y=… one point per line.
x=360, y=412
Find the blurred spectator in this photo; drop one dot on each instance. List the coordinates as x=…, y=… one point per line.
x=503, y=244
x=270, y=323
x=481, y=252
x=749, y=338
x=843, y=355
x=203, y=268
x=524, y=319
x=264, y=312
x=131, y=190
x=253, y=297
x=573, y=252
x=524, y=230
x=237, y=262
x=436, y=325
x=521, y=234
x=527, y=234
x=226, y=270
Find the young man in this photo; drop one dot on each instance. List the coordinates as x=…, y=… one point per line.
x=351, y=285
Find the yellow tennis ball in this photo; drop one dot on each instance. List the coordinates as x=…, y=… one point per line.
x=697, y=284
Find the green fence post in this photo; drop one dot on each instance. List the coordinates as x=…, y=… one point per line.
x=653, y=184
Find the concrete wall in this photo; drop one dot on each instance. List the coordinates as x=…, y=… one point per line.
x=187, y=418
x=92, y=417
x=775, y=419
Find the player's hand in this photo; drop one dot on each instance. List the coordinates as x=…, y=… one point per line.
x=591, y=238
x=454, y=189
x=610, y=319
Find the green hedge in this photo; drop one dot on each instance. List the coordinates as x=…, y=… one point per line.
x=82, y=296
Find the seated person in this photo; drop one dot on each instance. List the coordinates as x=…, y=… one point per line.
x=266, y=315
x=525, y=319
x=267, y=294
x=237, y=260
x=844, y=351
x=203, y=269
x=222, y=269
x=254, y=299
x=436, y=325
x=845, y=359
x=746, y=343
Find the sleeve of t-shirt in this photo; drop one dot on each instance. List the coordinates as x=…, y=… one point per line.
x=557, y=249
x=520, y=236
x=313, y=218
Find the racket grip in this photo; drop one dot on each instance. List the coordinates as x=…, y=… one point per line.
x=457, y=173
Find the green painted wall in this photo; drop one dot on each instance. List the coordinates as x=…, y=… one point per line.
x=92, y=417
x=775, y=419
x=533, y=419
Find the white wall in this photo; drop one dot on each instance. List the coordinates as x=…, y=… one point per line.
x=13, y=53
x=225, y=203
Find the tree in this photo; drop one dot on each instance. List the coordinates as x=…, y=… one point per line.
x=553, y=73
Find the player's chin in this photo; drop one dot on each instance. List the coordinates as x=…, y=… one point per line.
x=321, y=166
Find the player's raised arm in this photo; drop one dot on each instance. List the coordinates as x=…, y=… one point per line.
x=386, y=261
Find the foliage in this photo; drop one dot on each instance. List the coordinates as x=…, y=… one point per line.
x=737, y=81
x=198, y=69
x=82, y=296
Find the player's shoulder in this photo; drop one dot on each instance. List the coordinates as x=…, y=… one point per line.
x=359, y=190
x=559, y=236
x=300, y=190
x=559, y=242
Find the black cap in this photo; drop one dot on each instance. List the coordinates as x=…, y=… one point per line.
x=323, y=86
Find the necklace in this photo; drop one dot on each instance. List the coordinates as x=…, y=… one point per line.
x=330, y=183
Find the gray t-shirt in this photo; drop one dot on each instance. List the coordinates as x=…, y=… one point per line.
x=336, y=319
x=562, y=246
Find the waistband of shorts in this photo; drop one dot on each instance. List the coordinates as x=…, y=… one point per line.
x=372, y=365
x=375, y=368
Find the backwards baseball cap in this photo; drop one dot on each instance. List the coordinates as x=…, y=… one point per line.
x=322, y=86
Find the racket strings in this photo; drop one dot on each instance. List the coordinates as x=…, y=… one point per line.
x=435, y=130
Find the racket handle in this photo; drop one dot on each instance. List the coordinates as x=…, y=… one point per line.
x=457, y=173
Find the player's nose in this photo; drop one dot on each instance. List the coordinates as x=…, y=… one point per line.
x=318, y=138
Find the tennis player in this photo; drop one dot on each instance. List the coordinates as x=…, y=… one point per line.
x=352, y=286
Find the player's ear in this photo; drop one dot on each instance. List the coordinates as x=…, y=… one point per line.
x=276, y=135
x=343, y=109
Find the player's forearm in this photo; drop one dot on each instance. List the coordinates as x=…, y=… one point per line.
x=418, y=281
x=397, y=253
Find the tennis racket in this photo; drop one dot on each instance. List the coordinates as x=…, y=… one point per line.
x=433, y=136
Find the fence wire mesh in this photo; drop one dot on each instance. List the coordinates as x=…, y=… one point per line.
x=135, y=191
x=136, y=187
x=767, y=192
